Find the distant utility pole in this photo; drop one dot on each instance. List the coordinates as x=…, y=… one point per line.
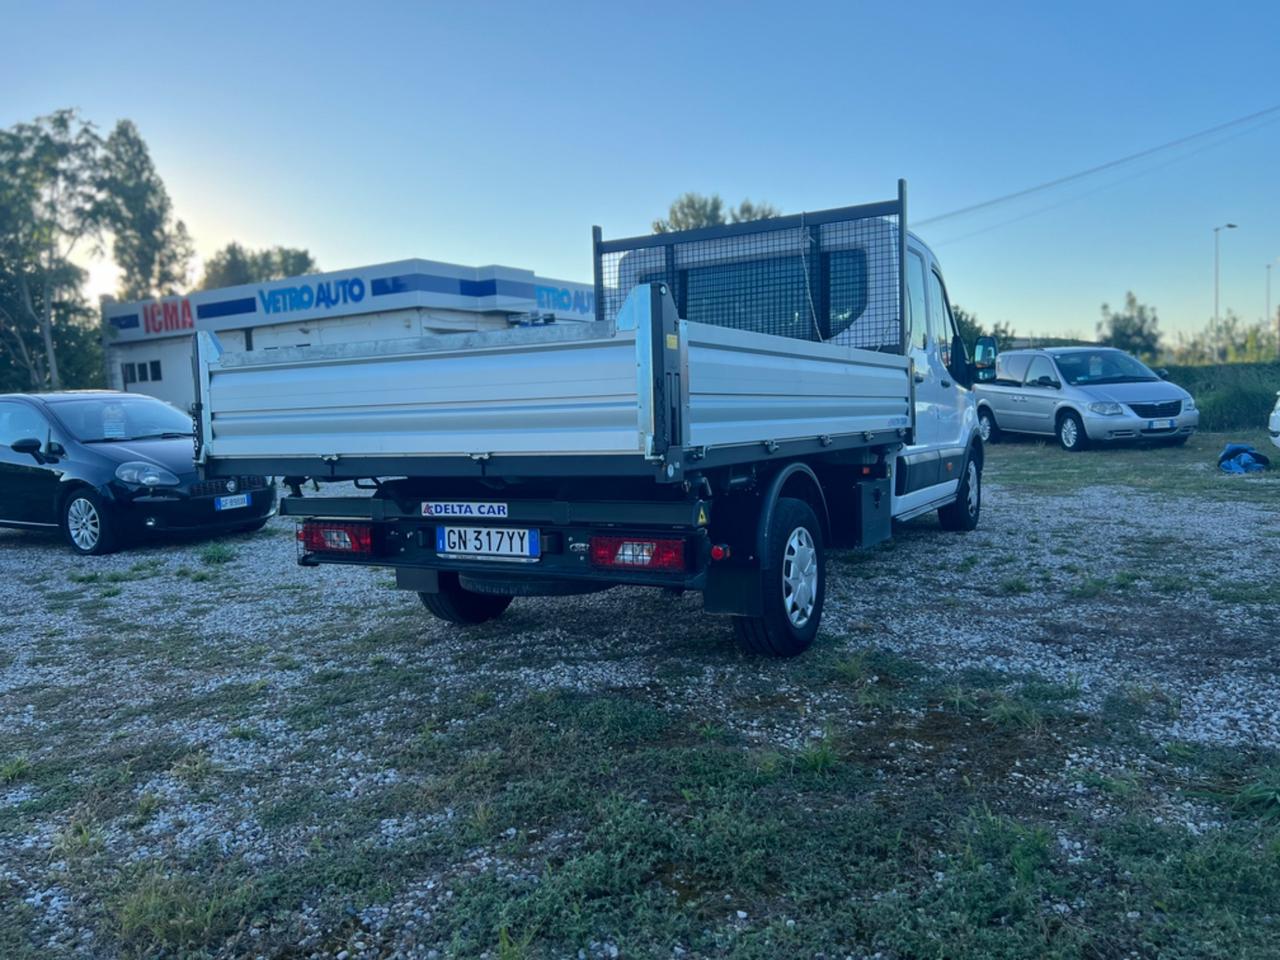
x=1217, y=345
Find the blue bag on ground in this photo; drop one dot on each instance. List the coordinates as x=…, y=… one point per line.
x=1242, y=458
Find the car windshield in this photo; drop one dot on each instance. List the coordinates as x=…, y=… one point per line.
x=116, y=418
x=1084, y=367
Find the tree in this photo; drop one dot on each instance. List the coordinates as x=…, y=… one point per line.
x=691, y=211
x=1134, y=329
x=23, y=363
x=234, y=265
x=49, y=205
x=971, y=328
x=152, y=250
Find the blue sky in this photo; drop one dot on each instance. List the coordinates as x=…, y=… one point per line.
x=500, y=132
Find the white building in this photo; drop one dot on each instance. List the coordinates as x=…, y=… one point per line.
x=148, y=344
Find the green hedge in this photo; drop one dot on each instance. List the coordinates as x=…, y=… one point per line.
x=1231, y=396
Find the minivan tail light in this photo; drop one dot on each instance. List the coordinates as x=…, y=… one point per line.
x=638, y=553
x=325, y=537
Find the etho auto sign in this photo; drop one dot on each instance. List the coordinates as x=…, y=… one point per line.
x=167, y=316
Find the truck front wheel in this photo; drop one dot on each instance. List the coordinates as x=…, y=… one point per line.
x=793, y=582
x=456, y=604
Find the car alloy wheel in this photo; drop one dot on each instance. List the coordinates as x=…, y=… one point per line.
x=1069, y=432
x=84, y=524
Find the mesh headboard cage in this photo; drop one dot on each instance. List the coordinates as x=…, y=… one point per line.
x=832, y=276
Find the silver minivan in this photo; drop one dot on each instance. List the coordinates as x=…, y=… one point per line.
x=1081, y=395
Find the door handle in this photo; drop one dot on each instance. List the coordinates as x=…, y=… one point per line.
x=946, y=383
x=919, y=378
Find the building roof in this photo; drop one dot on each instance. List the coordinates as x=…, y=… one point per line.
x=399, y=285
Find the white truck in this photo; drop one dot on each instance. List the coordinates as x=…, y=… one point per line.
x=748, y=397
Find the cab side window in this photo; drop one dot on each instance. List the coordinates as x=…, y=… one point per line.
x=917, y=324
x=940, y=319
x=1040, y=367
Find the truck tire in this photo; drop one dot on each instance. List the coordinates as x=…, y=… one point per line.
x=792, y=585
x=454, y=604
x=962, y=513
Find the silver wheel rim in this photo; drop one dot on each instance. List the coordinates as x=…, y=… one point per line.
x=1069, y=433
x=799, y=577
x=83, y=523
x=984, y=427
x=974, y=494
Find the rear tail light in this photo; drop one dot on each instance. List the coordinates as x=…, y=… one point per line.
x=637, y=553
x=324, y=537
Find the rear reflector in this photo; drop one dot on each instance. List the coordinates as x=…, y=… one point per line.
x=634, y=553
x=324, y=537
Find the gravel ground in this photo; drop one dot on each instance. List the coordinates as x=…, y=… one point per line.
x=174, y=666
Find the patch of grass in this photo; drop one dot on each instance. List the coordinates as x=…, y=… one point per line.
x=1088, y=588
x=14, y=769
x=1122, y=786
x=1243, y=593
x=160, y=913
x=1013, y=586
x=817, y=757
x=195, y=768
x=216, y=554
x=81, y=836
x=1260, y=799
x=1014, y=713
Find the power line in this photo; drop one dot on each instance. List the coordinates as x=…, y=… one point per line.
x=1106, y=186
x=1049, y=184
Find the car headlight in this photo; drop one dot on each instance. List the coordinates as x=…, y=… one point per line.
x=1189, y=403
x=1106, y=409
x=146, y=474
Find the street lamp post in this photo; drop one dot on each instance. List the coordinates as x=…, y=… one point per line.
x=1216, y=230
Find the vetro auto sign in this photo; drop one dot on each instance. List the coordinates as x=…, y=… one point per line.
x=326, y=293
x=566, y=300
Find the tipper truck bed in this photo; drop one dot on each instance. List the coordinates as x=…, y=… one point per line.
x=743, y=401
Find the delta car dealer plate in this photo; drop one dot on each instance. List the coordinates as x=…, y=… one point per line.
x=489, y=543
x=231, y=503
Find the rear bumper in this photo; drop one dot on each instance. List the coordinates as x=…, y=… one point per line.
x=408, y=542
x=1129, y=426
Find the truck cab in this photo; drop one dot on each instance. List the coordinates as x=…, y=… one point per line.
x=946, y=443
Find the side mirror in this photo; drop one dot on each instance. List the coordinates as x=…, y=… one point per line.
x=984, y=353
x=28, y=445
x=1047, y=381
x=1162, y=373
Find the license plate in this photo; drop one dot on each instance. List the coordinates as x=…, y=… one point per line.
x=231, y=503
x=1160, y=424
x=499, y=543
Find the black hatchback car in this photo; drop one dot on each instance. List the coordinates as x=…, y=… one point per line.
x=105, y=466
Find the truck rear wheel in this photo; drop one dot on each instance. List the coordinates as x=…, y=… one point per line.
x=793, y=582
x=456, y=604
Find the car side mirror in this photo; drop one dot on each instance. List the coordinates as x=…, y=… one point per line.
x=1162, y=373
x=1048, y=381
x=28, y=445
